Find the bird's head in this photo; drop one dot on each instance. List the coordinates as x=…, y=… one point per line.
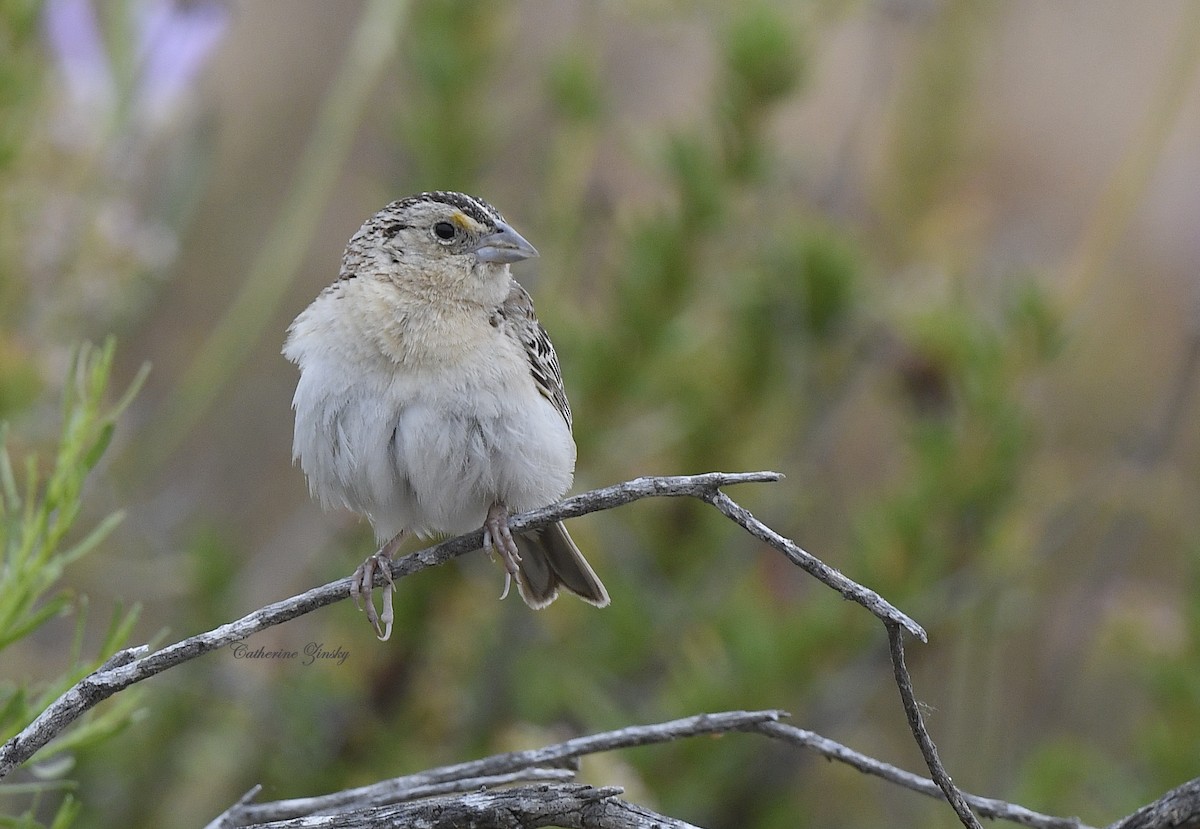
x=441, y=242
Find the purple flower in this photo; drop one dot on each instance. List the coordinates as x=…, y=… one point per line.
x=73, y=35
x=175, y=40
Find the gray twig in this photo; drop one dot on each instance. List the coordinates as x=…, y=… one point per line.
x=569, y=806
x=402, y=788
x=384, y=803
x=986, y=806
x=816, y=568
x=524, y=765
x=134, y=664
x=243, y=813
x=917, y=725
x=227, y=819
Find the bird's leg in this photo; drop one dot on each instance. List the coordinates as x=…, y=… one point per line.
x=362, y=583
x=498, y=539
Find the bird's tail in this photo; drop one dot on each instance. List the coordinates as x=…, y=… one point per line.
x=550, y=559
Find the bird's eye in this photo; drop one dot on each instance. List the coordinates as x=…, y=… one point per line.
x=444, y=231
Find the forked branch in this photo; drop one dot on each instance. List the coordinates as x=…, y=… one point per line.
x=133, y=665
x=452, y=793
x=356, y=806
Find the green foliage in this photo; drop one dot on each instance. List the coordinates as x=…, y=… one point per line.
x=19, y=73
x=813, y=273
x=1167, y=729
x=969, y=440
x=574, y=89
x=445, y=116
x=20, y=83
x=38, y=539
x=764, y=63
x=763, y=60
x=1065, y=771
x=20, y=381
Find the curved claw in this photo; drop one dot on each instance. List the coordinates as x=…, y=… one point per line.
x=498, y=538
x=362, y=585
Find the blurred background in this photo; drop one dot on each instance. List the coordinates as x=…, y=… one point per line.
x=938, y=261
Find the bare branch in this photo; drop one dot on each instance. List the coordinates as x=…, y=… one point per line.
x=238, y=814
x=1177, y=809
x=816, y=568
x=225, y=820
x=402, y=788
x=986, y=806
x=376, y=804
x=134, y=665
x=569, y=806
x=915, y=722
x=523, y=765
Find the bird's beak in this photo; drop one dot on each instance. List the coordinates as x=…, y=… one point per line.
x=504, y=246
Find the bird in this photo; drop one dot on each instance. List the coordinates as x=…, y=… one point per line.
x=430, y=398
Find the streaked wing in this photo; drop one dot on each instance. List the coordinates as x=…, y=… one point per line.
x=517, y=319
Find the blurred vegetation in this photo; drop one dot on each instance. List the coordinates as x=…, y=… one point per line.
x=714, y=308
x=38, y=513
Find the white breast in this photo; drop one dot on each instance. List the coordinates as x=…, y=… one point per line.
x=426, y=448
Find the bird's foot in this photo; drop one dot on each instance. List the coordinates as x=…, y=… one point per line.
x=362, y=584
x=498, y=540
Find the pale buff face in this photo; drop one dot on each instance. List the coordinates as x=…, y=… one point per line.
x=454, y=248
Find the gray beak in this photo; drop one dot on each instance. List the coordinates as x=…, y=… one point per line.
x=504, y=246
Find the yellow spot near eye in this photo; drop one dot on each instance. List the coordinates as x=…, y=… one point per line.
x=464, y=221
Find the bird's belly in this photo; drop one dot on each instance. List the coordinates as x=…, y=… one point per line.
x=412, y=460
x=459, y=460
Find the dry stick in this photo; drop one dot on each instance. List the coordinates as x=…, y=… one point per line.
x=522, y=765
x=136, y=664
x=384, y=793
x=225, y=820
x=237, y=814
x=928, y=750
x=568, y=806
x=1177, y=809
x=401, y=788
x=245, y=809
x=895, y=622
x=822, y=572
x=986, y=806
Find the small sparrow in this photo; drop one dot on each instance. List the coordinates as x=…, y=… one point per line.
x=430, y=398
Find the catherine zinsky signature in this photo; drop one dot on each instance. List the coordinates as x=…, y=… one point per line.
x=312, y=652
